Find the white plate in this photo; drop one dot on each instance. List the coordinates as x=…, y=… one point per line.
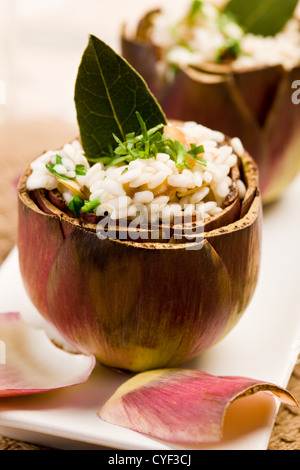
x=264, y=345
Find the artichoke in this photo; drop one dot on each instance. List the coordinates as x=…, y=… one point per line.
x=159, y=292
x=251, y=102
x=137, y=304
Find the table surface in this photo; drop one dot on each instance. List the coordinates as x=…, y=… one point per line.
x=31, y=90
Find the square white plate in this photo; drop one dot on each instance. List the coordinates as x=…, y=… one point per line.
x=265, y=345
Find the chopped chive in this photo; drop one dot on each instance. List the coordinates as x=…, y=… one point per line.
x=89, y=206
x=143, y=126
x=80, y=170
x=58, y=159
x=148, y=144
x=194, y=154
x=76, y=204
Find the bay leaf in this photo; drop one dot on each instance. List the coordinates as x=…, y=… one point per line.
x=108, y=92
x=261, y=17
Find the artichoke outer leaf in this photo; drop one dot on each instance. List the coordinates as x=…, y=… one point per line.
x=243, y=236
x=33, y=364
x=181, y=405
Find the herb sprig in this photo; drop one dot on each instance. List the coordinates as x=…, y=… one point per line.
x=78, y=205
x=148, y=144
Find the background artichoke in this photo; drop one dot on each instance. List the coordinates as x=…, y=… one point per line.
x=254, y=103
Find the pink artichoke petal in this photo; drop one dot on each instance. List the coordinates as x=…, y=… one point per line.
x=30, y=363
x=184, y=406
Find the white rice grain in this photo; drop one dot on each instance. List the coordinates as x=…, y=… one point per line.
x=237, y=146
x=113, y=187
x=241, y=188
x=99, y=194
x=141, y=180
x=178, y=181
x=209, y=207
x=162, y=157
x=158, y=200
x=157, y=179
x=129, y=176
x=189, y=209
x=60, y=169
x=42, y=180
x=143, y=197
x=223, y=188
x=199, y=195
x=207, y=177
x=68, y=164
x=198, y=178
x=117, y=207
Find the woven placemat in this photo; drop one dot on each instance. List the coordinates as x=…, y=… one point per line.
x=20, y=142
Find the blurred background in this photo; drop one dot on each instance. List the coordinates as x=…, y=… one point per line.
x=41, y=44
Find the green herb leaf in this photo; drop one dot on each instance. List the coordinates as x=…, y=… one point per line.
x=89, y=206
x=262, y=17
x=108, y=92
x=149, y=143
x=177, y=152
x=195, y=152
x=80, y=170
x=58, y=159
x=76, y=204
